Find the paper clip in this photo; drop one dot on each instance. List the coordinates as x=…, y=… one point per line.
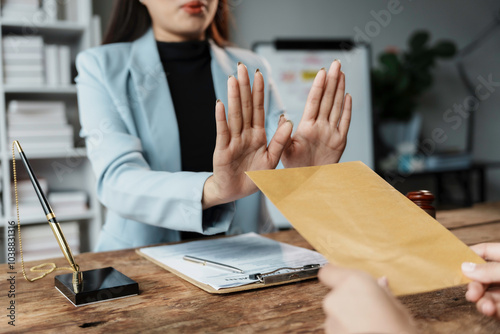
x=309, y=270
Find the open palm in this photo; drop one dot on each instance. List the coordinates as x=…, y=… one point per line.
x=241, y=139
x=321, y=135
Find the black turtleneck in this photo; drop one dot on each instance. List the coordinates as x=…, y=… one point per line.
x=189, y=76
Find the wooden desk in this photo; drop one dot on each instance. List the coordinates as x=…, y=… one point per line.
x=170, y=304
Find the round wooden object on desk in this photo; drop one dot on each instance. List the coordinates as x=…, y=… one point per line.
x=424, y=199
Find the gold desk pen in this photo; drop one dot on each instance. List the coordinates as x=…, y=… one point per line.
x=86, y=287
x=51, y=218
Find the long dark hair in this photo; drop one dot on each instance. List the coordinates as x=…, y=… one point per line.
x=130, y=20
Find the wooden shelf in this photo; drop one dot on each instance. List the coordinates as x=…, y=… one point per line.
x=69, y=153
x=64, y=29
x=57, y=90
x=60, y=218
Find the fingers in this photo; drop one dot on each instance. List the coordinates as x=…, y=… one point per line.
x=282, y=120
x=235, y=118
x=314, y=98
x=223, y=134
x=475, y=291
x=488, y=251
x=332, y=81
x=355, y=295
x=258, y=100
x=345, y=120
x=483, y=273
x=326, y=275
x=242, y=99
x=487, y=298
x=332, y=324
x=487, y=306
x=331, y=275
x=336, y=111
x=246, y=95
x=279, y=141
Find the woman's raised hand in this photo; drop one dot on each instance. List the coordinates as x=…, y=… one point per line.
x=321, y=135
x=241, y=141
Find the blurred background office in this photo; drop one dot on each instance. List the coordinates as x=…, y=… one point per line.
x=432, y=75
x=456, y=117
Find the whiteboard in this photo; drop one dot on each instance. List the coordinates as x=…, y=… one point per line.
x=294, y=64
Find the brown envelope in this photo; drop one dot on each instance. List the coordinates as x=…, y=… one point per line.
x=356, y=219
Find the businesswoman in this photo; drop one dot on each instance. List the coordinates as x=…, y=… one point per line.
x=167, y=156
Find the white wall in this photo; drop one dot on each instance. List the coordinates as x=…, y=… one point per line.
x=458, y=20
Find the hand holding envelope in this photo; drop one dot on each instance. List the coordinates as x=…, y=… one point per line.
x=357, y=220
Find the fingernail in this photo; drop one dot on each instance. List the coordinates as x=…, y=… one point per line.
x=230, y=76
x=322, y=69
x=383, y=282
x=257, y=71
x=290, y=121
x=217, y=101
x=468, y=266
x=239, y=63
x=338, y=61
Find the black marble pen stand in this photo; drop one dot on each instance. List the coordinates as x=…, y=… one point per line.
x=98, y=285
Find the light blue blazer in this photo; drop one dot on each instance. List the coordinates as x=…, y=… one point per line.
x=130, y=129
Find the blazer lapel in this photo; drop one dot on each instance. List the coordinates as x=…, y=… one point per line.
x=155, y=115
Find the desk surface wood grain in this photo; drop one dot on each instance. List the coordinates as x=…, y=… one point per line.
x=169, y=304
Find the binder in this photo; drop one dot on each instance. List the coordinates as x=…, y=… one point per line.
x=277, y=276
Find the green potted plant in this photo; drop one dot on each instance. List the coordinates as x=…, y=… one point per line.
x=397, y=83
x=402, y=77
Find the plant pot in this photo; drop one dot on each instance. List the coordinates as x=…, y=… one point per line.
x=394, y=133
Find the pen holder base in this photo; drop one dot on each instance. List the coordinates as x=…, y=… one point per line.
x=98, y=285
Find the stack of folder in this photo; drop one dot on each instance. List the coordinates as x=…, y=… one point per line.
x=30, y=62
x=38, y=241
x=23, y=60
x=68, y=202
x=20, y=9
x=41, y=11
x=57, y=65
x=29, y=204
x=64, y=203
x=39, y=125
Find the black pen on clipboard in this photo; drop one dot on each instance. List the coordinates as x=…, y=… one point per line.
x=214, y=264
x=293, y=273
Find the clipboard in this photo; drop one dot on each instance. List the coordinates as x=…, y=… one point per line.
x=267, y=280
x=277, y=276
